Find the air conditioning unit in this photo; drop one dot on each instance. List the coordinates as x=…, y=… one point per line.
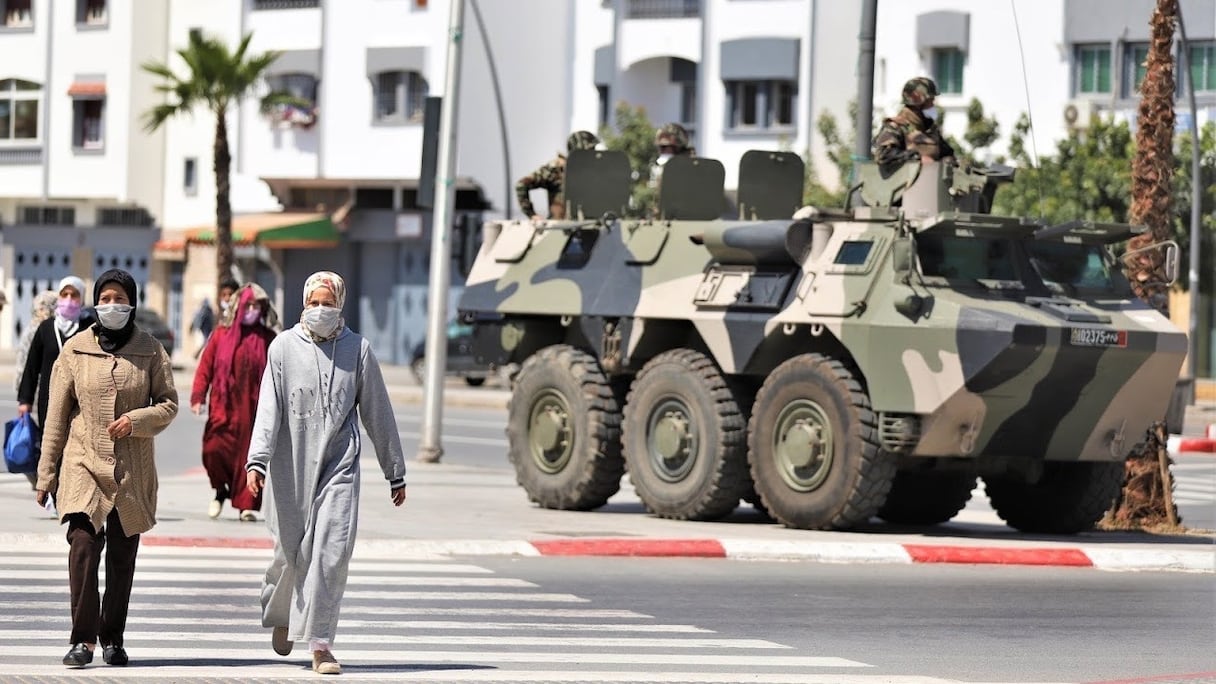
x=1077, y=112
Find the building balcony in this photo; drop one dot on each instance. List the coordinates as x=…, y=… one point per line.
x=662, y=9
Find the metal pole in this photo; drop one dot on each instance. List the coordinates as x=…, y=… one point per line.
x=865, y=85
x=429, y=448
x=1192, y=354
x=502, y=117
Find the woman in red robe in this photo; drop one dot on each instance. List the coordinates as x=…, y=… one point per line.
x=228, y=379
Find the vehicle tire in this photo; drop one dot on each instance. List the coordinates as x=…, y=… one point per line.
x=927, y=497
x=684, y=438
x=1068, y=498
x=813, y=449
x=473, y=381
x=563, y=430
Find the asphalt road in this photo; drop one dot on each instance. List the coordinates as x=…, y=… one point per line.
x=985, y=624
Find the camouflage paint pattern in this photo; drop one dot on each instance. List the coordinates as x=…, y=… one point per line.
x=992, y=370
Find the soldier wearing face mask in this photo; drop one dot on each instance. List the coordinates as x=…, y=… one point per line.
x=913, y=133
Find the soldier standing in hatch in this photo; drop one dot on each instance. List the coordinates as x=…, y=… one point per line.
x=551, y=177
x=671, y=140
x=913, y=133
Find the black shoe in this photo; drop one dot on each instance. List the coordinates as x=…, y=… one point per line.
x=79, y=656
x=114, y=655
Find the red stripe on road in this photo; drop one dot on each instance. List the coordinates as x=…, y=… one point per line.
x=699, y=548
x=1207, y=446
x=997, y=556
x=1165, y=679
x=213, y=542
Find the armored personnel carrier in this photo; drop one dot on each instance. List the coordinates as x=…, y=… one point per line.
x=829, y=368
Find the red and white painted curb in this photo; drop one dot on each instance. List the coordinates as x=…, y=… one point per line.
x=1178, y=444
x=1202, y=560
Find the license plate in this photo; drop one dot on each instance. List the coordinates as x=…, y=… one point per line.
x=1096, y=337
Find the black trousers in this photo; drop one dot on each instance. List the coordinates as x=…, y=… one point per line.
x=94, y=617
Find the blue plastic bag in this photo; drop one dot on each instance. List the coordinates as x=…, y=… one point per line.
x=22, y=442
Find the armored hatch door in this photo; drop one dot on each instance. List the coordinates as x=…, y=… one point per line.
x=513, y=242
x=881, y=189
x=770, y=185
x=644, y=242
x=597, y=182
x=691, y=189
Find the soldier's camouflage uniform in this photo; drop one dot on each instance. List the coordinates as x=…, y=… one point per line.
x=550, y=177
x=906, y=136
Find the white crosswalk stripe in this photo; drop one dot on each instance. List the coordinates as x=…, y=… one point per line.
x=408, y=620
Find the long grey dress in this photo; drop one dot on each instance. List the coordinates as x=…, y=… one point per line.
x=306, y=441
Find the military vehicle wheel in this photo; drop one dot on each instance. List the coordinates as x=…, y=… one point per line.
x=813, y=448
x=927, y=497
x=563, y=430
x=683, y=438
x=1068, y=498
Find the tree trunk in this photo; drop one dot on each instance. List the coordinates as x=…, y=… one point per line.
x=1145, y=500
x=223, y=205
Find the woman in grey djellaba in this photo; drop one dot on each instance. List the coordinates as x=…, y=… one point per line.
x=321, y=378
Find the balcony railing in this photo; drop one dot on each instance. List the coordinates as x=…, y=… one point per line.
x=285, y=4
x=20, y=155
x=662, y=9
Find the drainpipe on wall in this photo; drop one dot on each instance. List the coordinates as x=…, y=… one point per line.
x=810, y=82
x=320, y=80
x=46, y=104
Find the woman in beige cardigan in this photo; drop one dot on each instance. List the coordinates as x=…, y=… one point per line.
x=111, y=393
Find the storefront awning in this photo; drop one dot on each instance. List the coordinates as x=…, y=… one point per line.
x=87, y=89
x=276, y=230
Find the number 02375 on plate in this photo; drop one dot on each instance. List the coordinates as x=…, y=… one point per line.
x=1097, y=337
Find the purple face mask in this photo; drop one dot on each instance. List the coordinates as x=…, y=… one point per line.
x=68, y=308
x=250, y=316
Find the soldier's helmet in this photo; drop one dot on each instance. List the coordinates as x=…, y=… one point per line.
x=672, y=134
x=918, y=91
x=581, y=140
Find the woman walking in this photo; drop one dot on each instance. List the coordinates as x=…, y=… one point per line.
x=111, y=393
x=228, y=380
x=321, y=378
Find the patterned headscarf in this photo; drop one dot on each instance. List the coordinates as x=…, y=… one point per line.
x=328, y=279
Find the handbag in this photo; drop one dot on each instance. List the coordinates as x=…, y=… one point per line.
x=22, y=443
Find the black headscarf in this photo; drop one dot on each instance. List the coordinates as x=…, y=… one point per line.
x=111, y=340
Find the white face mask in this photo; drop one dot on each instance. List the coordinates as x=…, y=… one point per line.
x=663, y=158
x=321, y=321
x=930, y=113
x=114, y=316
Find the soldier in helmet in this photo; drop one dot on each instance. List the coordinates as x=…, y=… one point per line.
x=913, y=132
x=670, y=140
x=551, y=176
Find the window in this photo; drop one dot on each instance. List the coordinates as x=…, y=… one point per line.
x=17, y=13
x=87, y=120
x=284, y=4
x=602, y=92
x=19, y=109
x=760, y=105
x=47, y=216
x=1201, y=63
x=303, y=86
x=190, y=176
x=91, y=12
x=123, y=216
x=400, y=97
x=688, y=105
x=1093, y=69
x=1134, y=68
x=948, y=70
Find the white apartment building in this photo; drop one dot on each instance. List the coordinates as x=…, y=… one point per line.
x=336, y=186
x=79, y=180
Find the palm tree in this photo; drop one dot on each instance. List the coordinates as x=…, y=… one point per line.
x=217, y=79
x=1146, y=493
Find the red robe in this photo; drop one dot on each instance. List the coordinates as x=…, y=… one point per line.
x=231, y=371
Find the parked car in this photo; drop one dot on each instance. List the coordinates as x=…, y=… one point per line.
x=152, y=323
x=460, y=361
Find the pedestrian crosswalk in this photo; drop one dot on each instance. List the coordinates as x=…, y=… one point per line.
x=194, y=615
